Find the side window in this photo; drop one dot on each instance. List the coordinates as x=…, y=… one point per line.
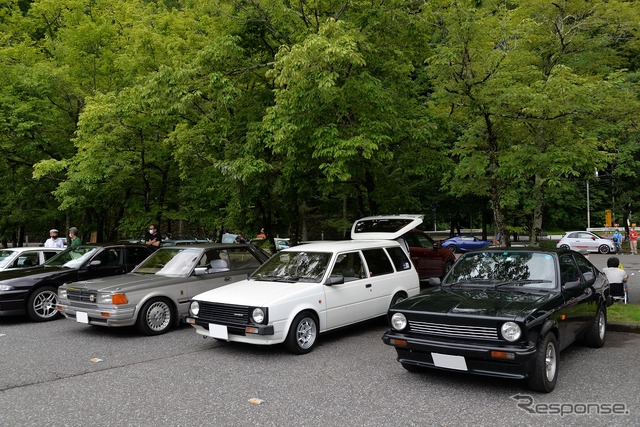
x=584, y=265
x=399, y=258
x=240, y=258
x=136, y=255
x=348, y=265
x=568, y=270
x=425, y=242
x=26, y=259
x=48, y=254
x=377, y=261
x=572, y=236
x=110, y=257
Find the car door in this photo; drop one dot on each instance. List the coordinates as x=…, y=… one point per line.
x=350, y=301
x=423, y=255
x=110, y=261
x=572, y=320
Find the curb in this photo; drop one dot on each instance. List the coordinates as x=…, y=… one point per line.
x=624, y=327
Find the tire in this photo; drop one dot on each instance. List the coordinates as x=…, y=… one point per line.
x=156, y=317
x=42, y=304
x=303, y=334
x=596, y=335
x=411, y=368
x=567, y=247
x=604, y=249
x=400, y=296
x=545, y=372
x=452, y=248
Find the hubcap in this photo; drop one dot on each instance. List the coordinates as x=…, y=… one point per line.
x=306, y=333
x=550, y=361
x=45, y=304
x=158, y=316
x=601, y=325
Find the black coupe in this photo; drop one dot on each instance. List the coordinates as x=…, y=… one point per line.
x=504, y=312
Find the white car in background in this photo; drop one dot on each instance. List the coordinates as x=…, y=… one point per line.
x=312, y=288
x=23, y=257
x=586, y=240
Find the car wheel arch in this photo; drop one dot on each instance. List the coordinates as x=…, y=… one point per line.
x=321, y=320
x=548, y=326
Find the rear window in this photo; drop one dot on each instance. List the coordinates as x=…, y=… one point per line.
x=382, y=225
x=399, y=258
x=378, y=262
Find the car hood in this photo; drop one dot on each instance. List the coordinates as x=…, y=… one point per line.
x=127, y=282
x=32, y=273
x=478, y=302
x=258, y=293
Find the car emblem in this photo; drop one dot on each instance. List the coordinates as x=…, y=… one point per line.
x=92, y=298
x=238, y=314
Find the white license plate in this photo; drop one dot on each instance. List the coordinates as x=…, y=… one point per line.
x=450, y=362
x=218, y=331
x=82, y=317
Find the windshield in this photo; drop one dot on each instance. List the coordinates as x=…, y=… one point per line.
x=175, y=262
x=294, y=267
x=493, y=269
x=73, y=258
x=5, y=257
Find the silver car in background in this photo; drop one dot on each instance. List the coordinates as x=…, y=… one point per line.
x=586, y=240
x=157, y=292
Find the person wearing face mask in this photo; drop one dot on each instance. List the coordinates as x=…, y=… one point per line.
x=153, y=238
x=74, y=240
x=53, y=241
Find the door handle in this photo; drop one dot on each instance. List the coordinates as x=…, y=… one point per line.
x=226, y=279
x=368, y=285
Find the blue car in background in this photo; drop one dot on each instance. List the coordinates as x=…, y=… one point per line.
x=465, y=243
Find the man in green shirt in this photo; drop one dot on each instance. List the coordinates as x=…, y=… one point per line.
x=74, y=240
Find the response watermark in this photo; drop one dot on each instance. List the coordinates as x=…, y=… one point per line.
x=528, y=404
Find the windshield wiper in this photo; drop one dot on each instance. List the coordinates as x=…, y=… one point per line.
x=520, y=283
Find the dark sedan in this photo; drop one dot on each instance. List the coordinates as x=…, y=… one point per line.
x=34, y=290
x=465, y=243
x=505, y=313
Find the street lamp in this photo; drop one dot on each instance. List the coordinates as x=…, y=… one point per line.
x=588, y=207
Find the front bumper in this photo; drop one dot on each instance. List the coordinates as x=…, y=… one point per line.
x=477, y=356
x=113, y=316
x=249, y=333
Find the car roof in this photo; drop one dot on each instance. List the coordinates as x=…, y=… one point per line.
x=341, y=245
x=522, y=249
x=208, y=246
x=31, y=248
x=384, y=227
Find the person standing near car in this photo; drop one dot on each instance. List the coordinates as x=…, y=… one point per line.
x=633, y=240
x=74, y=240
x=53, y=241
x=617, y=241
x=153, y=238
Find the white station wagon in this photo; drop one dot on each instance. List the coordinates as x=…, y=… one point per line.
x=308, y=289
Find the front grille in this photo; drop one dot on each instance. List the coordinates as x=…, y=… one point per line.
x=456, y=331
x=225, y=314
x=82, y=295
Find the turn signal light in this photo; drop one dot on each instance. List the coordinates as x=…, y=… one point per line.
x=119, y=299
x=399, y=343
x=251, y=330
x=502, y=355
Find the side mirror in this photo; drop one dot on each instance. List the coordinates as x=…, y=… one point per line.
x=589, y=278
x=335, y=280
x=436, y=246
x=572, y=286
x=434, y=281
x=593, y=238
x=199, y=271
x=95, y=263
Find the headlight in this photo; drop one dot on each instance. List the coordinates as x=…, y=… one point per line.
x=510, y=331
x=107, y=298
x=62, y=293
x=194, y=309
x=6, y=288
x=257, y=315
x=398, y=321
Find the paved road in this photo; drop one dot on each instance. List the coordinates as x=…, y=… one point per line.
x=47, y=377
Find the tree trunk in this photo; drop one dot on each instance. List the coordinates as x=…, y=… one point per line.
x=536, y=221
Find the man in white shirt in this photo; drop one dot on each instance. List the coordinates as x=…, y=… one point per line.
x=53, y=241
x=614, y=273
